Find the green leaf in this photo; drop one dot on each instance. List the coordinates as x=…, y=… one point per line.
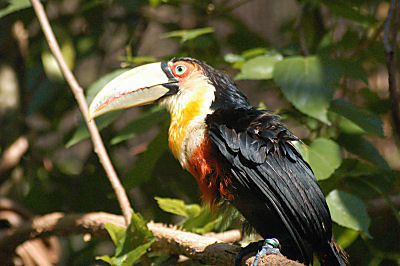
x=136, y=233
x=307, y=83
x=177, y=206
x=50, y=65
x=199, y=219
x=134, y=255
x=356, y=168
x=139, y=59
x=237, y=61
x=106, y=258
x=349, y=10
x=144, y=167
x=82, y=133
x=131, y=243
x=366, y=120
x=374, y=102
x=349, y=68
x=146, y=121
x=254, y=52
x=363, y=148
x=187, y=35
x=234, y=58
x=323, y=155
x=203, y=223
x=154, y=3
x=348, y=127
x=13, y=6
x=260, y=67
x=348, y=210
x=116, y=232
x=345, y=236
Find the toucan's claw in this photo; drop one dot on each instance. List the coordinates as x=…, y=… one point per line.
x=271, y=246
x=263, y=247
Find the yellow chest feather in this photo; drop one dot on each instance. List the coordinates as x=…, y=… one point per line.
x=189, y=109
x=180, y=123
x=187, y=128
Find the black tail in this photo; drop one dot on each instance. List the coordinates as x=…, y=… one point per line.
x=333, y=255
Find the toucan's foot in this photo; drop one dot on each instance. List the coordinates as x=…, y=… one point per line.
x=271, y=246
x=263, y=247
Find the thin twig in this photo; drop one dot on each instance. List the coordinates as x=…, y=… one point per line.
x=233, y=6
x=12, y=155
x=389, y=43
x=380, y=206
x=80, y=98
x=208, y=250
x=298, y=25
x=388, y=200
x=366, y=42
x=379, y=253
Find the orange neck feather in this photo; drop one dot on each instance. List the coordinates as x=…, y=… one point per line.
x=213, y=181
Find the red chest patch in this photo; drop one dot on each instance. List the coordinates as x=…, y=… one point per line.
x=214, y=182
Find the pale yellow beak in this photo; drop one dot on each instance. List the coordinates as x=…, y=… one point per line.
x=139, y=86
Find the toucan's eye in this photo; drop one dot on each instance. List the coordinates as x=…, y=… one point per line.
x=180, y=69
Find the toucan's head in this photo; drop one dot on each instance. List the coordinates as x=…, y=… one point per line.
x=188, y=88
x=175, y=84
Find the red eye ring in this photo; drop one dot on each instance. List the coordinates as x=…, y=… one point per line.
x=182, y=69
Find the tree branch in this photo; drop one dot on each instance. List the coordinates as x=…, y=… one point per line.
x=12, y=155
x=389, y=44
x=80, y=98
x=380, y=206
x=208, y=250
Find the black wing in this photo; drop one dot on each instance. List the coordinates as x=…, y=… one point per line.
x=278, y=192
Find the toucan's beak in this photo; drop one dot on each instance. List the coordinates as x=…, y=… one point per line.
x=141, y=85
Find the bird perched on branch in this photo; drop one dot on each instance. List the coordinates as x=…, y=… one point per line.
x=237, y=153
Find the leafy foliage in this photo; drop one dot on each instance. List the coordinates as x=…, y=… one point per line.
x=187, y=35
x=366, y=120
x=130, y=243
x=323, y=155
x=198, y=218
x=348, y=211
x=259, y=67
x=364, y=149
x=13, y=6
x=308, y=84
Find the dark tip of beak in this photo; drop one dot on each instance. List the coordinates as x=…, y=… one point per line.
x=167, y=70
x=173, y=83
x=173, y=88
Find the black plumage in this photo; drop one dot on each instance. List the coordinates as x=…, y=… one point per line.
x=275, y=188
x=263, y=175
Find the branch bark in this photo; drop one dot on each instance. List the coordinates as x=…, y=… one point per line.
x=80, y=98
x=389, y=44
x=12, y=155
x=208, y=250
x=379, y=206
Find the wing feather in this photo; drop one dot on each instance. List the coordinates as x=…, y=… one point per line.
x=264, y=162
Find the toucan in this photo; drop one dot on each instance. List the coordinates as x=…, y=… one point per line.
x=240, y=155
